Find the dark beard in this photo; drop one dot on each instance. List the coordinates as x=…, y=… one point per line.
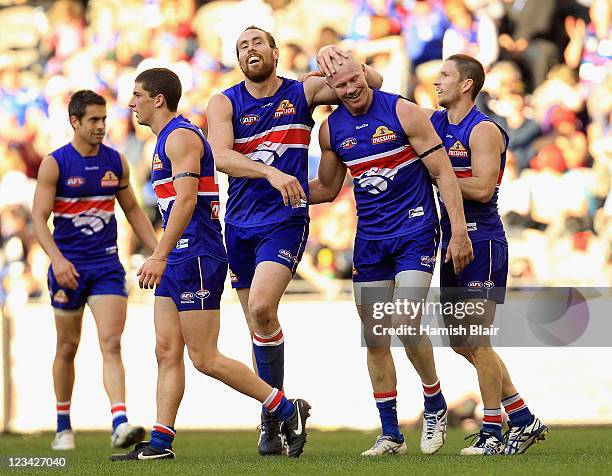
x=260, y=76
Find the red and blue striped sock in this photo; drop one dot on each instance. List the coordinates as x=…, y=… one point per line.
x=278, y=405
x=162, y=436
x=386, y=402
x=269, y=353
x=434, y=399
x=517, y=410
x=119, y=412
x=492, y=421
x=63, y=416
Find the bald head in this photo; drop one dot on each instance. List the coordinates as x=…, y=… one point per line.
x=350, y=84
x=349, y=66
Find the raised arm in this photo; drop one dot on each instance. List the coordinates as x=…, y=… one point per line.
x=227, y=160
x=133, y=212
x=486, y=145
x=327, y=186
x=184, y=149
x=42, y=206
x=423, y=138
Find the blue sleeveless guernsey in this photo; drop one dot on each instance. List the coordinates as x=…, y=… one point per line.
x=392, y=186
x=202, y=237
x=85, y=228
x=482, y=219
x=274, y=130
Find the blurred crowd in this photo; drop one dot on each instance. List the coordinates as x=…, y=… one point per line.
x=549, y=84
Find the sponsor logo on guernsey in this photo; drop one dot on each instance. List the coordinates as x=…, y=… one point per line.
x=285, y=108
x=286, y=255
x=233, y=276
x=488, y=284
x=187, y=297
x=75, y=181
x=92, y=167
x=457, y=150
x=202, y=294
x=157, y=163
x=111, y=250
x=472, y=226
x=383, y=134
x=214, y=209
x=416, y=212
x=182, y=243
x=249, y=119
x=110, y=179
x=361, y=126
x=475, y=284
x=60, y=297
x=349, y=143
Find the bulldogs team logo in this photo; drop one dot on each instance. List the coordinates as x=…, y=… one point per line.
x=249, y=119
x=457, y=150
x=383, y=134
x=75, y=181
x=285, y=108
x=202, y=294
x=157, y=163
x=376, y=180
x=60, y=297
x=349, y=143
x=110, y=179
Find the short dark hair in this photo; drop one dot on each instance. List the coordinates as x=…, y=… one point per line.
x=162, y=81
x=269, y=37
x=469, y=68
x=77, y=106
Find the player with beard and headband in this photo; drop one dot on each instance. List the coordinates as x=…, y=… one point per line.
x=477, y=147
x=390, y=150
x=259, y=131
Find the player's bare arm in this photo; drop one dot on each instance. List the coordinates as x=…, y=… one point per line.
x=327, y=186
x=184, y=149
x=235, y=164
x=487, y=145
x=315, y=87
x=136, y=217
x=44, y=199
x=423, y=138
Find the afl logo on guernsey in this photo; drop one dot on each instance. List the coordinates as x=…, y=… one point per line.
x=382, y=135
x=157, y=163
x=110, y=179
x=349, y=143
x=457, y=150
x=75, y=181
x=285, y=108
x=249, y=119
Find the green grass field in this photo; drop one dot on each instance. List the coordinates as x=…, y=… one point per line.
x=565, y=451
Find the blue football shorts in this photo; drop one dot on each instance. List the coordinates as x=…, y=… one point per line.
x=281, y=243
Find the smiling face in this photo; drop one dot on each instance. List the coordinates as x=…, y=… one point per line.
x=91, y=128
x=449, y=85
x=143, y=105
x=350, y=85
x=256, y=57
